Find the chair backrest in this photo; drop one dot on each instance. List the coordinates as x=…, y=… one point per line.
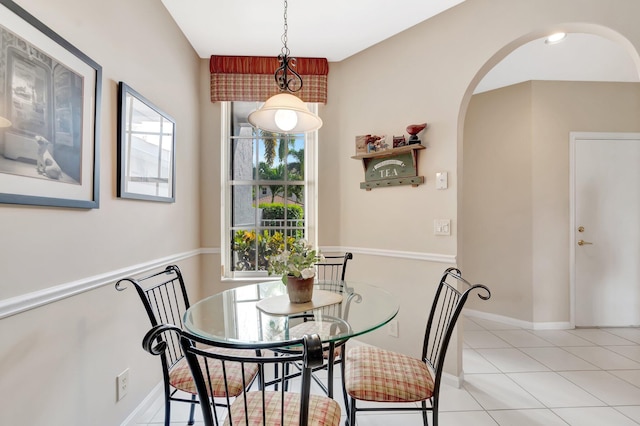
x=445, y=310
x=165, y=300
x=258, y=405
x=336, y=310
x=333, y=268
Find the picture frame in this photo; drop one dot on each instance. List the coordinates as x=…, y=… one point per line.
x=50, y=96
x=146, y=148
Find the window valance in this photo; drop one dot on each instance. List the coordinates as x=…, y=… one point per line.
x=250, y=78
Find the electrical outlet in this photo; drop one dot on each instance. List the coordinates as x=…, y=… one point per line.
x=122, y=384
x=393, y=328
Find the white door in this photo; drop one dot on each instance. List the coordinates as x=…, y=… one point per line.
x=606, y=229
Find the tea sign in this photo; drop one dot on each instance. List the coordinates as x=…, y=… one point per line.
x=391, y=167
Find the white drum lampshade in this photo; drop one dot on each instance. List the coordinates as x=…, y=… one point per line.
x=285, y=113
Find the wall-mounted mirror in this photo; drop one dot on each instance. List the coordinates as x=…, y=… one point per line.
x=146, y=149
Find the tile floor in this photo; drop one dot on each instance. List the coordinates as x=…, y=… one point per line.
x=521, y=377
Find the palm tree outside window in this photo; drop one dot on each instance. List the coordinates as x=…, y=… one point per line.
x=265, y=194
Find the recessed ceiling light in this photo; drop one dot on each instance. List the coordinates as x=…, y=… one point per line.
x=555, y=38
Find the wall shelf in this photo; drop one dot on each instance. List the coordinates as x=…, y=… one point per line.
x=391, y=167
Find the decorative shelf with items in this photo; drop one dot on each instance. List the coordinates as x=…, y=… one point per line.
x=385, y=167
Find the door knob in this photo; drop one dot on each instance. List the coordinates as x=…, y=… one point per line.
x=583, y=243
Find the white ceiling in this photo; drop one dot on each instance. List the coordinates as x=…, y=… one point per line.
x=332, y=29
x=580, y=57
x=337, y=29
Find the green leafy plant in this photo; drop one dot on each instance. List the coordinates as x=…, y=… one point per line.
x=244, y=246
x=297, y=261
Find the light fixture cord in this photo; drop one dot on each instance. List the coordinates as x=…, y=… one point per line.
x=285, y=82
x=284, y=38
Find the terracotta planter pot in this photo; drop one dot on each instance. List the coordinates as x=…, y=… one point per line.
x=300, y=289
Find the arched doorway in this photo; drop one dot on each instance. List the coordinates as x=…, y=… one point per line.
x=514, y=207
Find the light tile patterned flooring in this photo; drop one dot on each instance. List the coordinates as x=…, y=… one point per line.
x=521, y=377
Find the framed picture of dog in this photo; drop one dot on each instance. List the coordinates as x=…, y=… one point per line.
x=50, y=96
x=146, y=148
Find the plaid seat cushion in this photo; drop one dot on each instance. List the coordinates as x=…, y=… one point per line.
x=373, y=374
x=180, y=375
x=314, y=327
x=322, y=410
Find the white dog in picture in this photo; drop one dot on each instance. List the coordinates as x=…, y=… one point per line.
x=45, y=164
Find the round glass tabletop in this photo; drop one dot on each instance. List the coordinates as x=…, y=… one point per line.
x=258, y=313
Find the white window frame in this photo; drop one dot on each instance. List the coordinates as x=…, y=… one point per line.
x=311, y=196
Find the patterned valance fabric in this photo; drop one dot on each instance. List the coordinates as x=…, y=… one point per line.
x=250, y=78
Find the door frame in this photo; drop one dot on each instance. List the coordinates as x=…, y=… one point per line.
x=574, y=138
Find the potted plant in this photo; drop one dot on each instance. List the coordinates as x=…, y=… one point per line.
x=296, y=265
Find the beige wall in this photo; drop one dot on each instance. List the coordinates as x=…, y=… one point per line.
x=496, y=210
x=516, y=177
x=74, y=244
x=560, y=109
x=424, y=74
x=58, y=362
x=428, y=73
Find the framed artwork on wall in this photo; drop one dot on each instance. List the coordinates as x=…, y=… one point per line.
x=146, y=149
x=50, y=95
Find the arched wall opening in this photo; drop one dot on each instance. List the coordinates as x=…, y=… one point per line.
x=513, y=169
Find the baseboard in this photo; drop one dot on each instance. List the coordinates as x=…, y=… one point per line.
x=528, y=325
x=451, y=380
x=153, y=402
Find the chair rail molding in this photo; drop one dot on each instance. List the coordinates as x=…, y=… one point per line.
x=411, y=255
x=27, y=301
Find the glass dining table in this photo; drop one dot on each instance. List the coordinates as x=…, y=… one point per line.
x=253, y=315
x=245, y=317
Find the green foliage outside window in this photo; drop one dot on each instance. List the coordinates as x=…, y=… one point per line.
x=274, y=212
x=251, y=248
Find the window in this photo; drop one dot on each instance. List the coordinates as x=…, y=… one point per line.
x=268, y=191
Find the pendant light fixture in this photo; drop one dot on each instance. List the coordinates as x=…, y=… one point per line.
x=285, y=112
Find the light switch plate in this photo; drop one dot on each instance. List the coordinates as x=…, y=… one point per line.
x=442, y=179
x=442, y=227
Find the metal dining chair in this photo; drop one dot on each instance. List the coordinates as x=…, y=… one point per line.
x=334, y=267
x=266, y=404
x=377, y=375
x=333, y=271
x=164, y=297
x=330, y=274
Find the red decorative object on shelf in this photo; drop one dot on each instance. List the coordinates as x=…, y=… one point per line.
x=413, y=130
